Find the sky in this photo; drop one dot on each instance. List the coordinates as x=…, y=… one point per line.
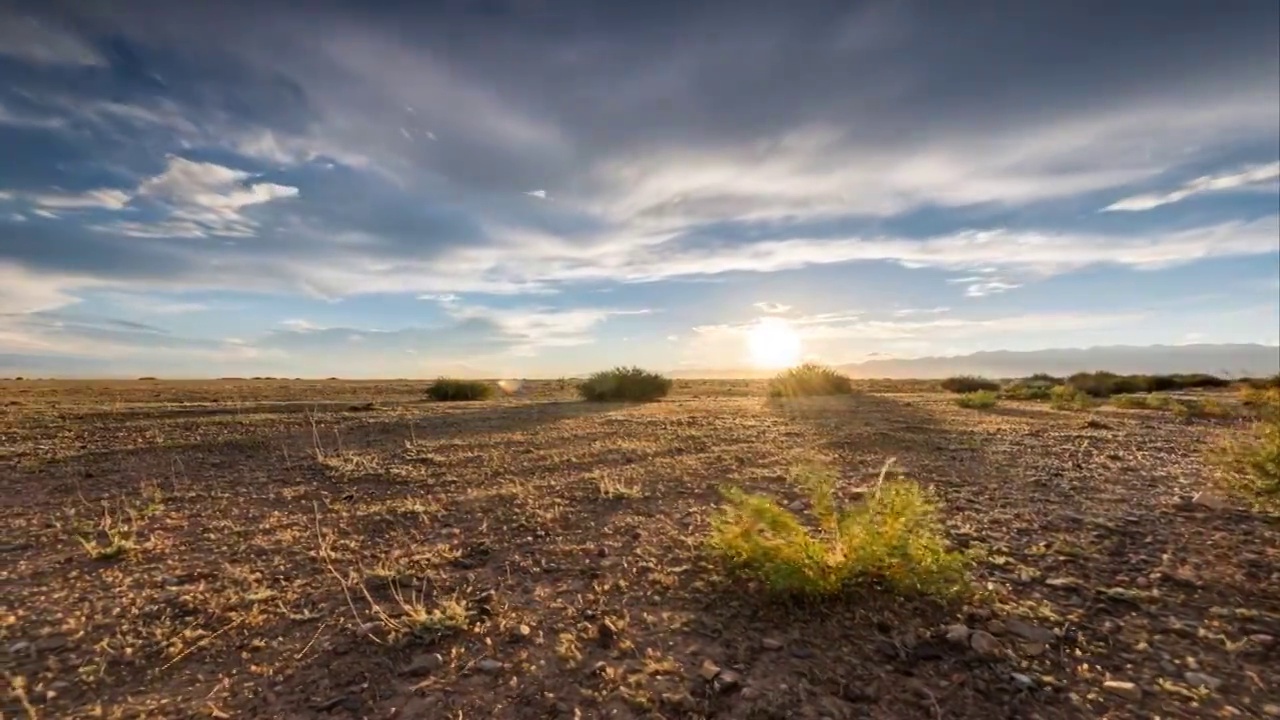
x=533, y=188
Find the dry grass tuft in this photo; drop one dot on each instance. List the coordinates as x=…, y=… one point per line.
x=1250, y=467
x=626, y=384
x=450, y=389
x=980, y=400
x=809, y=379
x=893, y=538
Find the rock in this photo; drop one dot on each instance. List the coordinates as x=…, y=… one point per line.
x=985, y=644
x=996, y=627
x=489, y=665
x=1271, y=710
x=796, y=506
x=1026, y=631
x=1033, y=649
x=1121, y=688
x=803, y=652
x=51, y=642
x=423, y=664
x=367, y=628
x=15, y=547
x=20, y=647
x=606, y=634
x=749, y=694
x=1062, y=582
x=679, y=700
x=1199, y=679
x=520, y=633
x=727, y=681
x=1022, y=682
x=1263, y=639
x=959, y=634
x=771, y=644
x=1209, y=500
x=709, y=670
x=599, y=669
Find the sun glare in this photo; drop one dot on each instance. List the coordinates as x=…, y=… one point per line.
x=772, y=343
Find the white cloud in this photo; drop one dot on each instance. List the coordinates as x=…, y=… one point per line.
x=771, y=307
x=49, y=214
x=301, y=326
x=540, y=194
x=26, y=291
x=1250, y=178
x=17, y=217
x=204, y=199
x=533, y=328
x=907, y=312
x=104, y=198
x=43, y=42
x=989, y=286
x=1257, y=177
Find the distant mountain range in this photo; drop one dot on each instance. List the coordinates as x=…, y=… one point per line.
x=1222, y=360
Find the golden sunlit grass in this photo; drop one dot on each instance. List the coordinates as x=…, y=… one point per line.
x=980, y=400
x=446, y=389
x=808, y=380
x=892, y=537
x=626, y=384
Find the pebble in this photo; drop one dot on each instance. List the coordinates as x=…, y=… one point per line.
x=489, y=665
x=959, y=634
x=801, y=651
x=749, y=693
x=727, y=681
x=520, y=633
x=796, y=506
x=51, y=642
x=1121, y=688
x=1030, y=632
x=1271, y=710
x=1199, y=679
x=1263, y=639
x=995, y=627
x=771, y=644
x=1062, y=582
x=20, y=647
x=985, y=643
x=1022, y=682
x=425, y=663
x=709, y=670
x=1034, y=649
x=606, y=634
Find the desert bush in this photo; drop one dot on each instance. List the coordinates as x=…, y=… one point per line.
x=1264, y=403
x=892, y=538
x=1250, y=468
x=809, y=379
x=630, y=384
x=1026, y=390
x=1066, y=397
x=968, y=384
x=1043, y=379
x=981, y=400
x=446, y=389
x=1200, y=408
x=1262, y=383
x=1105, y=384
x=1137, y=402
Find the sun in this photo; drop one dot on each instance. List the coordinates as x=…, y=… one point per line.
x=772, y=343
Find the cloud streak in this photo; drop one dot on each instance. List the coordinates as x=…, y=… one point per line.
x=1258, y=177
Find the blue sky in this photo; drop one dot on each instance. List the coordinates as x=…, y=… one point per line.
x=534, y=188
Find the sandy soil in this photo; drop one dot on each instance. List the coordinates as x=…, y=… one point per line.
x=347, y=550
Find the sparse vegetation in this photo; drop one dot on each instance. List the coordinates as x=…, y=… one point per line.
x=1066, y=397
x=893, y=537
x=449, y=389
x=624, y=384
x=809, y=379
x=1105, y=384
x=1026, y=390
x=1250, y=467
x=980, y=400
x=968, y=384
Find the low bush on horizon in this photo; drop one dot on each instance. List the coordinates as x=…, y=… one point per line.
x=968, y=384
x=450, y=389
x=980, y=400
x=1104, y=384
x=1066, y=397
x=809, y=379
x=892, y=538
x=1026, y=390
x=625, y=384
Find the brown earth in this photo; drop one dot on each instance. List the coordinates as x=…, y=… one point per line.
x=347, y=550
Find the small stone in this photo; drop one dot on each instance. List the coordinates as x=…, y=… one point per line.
x=749, y=694
x=796, y=506
x=1271, y=710
x=423, y=664
x=520, y=633
x=1121, y=688
x=709, y=670
x=367, y=628
x=51, y=642
x=489, y=665
x=985, y=644
x=1199, y=679
x=599, y=669
x=802, y=652
x=1209, y=500
x=771, y=644
x=15, y=547
x=1033, y=649
x=1062, y=582
x=996, y=627
x=606, y=634
x=1022, y=682
x=959, y=634
x=679, y=700
x=20, y=647
x=727, y=681
x=1263, y=639
x=1030, y=632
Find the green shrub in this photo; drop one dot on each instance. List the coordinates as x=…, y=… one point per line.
x=445, y=389
x=968, y=384
x=1026, y=390
x=1140, y=402
x=1250, y=468
x=1043, y=379
x=1265, y=403
x=981, y=400
x=1066, y=397
x=809, y=379
x=629, y=384
x=892, y=538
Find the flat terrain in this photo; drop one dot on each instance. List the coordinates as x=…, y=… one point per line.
x=348, y=550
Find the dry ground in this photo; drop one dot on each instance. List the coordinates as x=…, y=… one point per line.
x=539, y=557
